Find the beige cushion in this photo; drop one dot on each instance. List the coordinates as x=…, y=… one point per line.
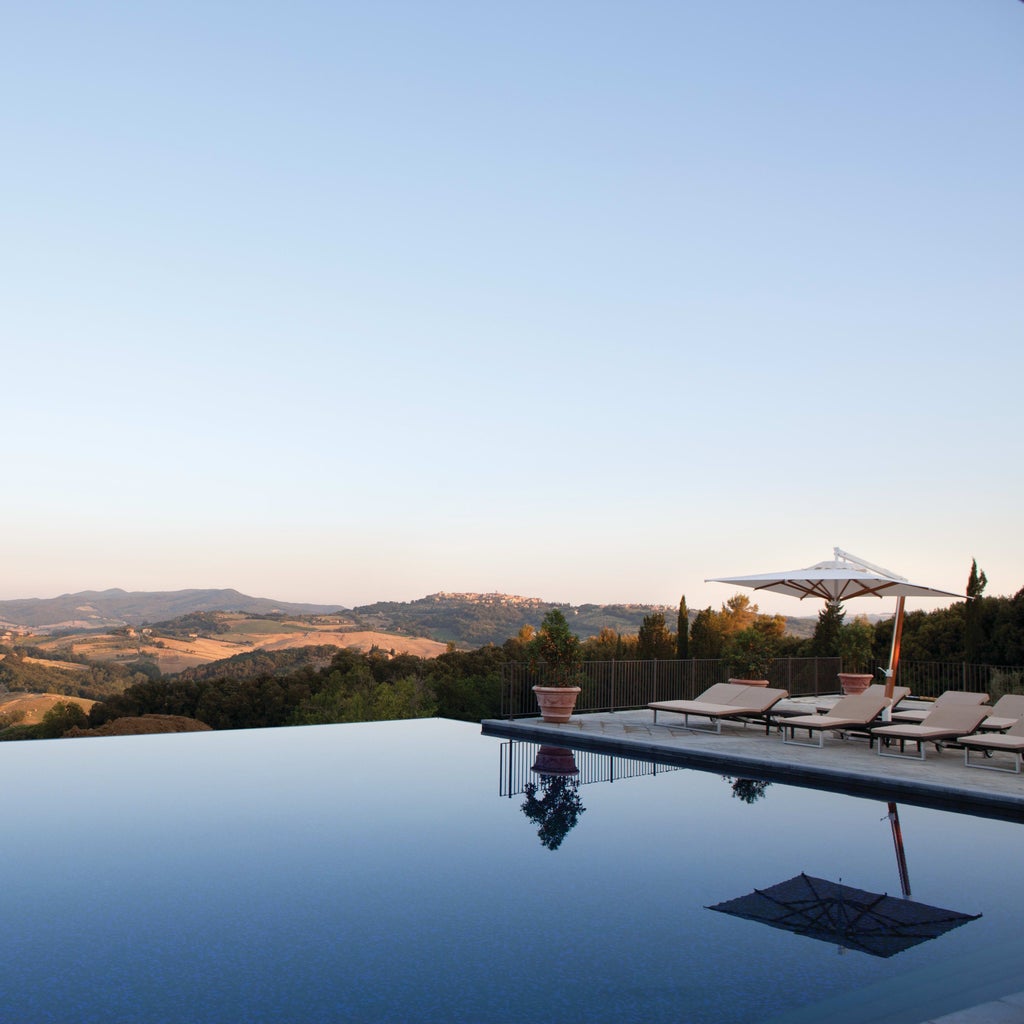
x=947, y=699
x=1012, y=739
x=950, y=721
x=848, y=713
x=738, y=700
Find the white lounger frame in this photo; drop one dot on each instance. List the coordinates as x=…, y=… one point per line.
x=1015, y=770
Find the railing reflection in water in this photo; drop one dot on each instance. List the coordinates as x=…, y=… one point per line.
x=518, y=758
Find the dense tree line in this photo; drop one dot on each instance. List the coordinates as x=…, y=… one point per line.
x=203, y=623
x=981, y=631
x=354, y=687
x=64, y=715
x=470, y=622
x=94, y=681
x=250, y=664
x=997, y=624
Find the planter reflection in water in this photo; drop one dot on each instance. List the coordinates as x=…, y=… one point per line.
x=555, y=761
x=558, y=807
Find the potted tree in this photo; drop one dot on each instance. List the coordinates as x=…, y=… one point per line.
x=750, y=654
x=855, y=640
x=555, y=654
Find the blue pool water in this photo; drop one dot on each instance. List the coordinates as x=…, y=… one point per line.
x=377, y=873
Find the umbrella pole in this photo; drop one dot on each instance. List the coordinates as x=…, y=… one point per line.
x=901, y=856
x=894, y=656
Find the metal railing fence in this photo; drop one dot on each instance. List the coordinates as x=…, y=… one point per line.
x=930, y=678
x=624, y=685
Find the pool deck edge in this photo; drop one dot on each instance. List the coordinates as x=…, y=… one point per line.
x=839, y=766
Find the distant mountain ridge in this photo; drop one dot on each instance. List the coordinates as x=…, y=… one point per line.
x=100, y=609
x=465, y=619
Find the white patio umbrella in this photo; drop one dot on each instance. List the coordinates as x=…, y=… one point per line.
x=845, y=577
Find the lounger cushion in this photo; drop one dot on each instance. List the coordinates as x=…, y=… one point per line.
x=697, y=707
x=992, y=741
x=739, y=700
x=947, y=722
x=850, y=711
x=1012, y=739
x=1005, y=713
x=721, y=693
x=1010, y=705
x=951, y=698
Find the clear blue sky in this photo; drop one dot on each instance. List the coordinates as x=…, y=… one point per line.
x=347, y=302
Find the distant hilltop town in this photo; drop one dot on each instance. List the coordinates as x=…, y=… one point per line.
x=472, y=619
x=506, y=600
x=517, y=601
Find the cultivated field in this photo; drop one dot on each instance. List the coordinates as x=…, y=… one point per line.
x=32, y=706
x=174, y=654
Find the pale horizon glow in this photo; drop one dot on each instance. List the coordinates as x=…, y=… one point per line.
x=342, y=303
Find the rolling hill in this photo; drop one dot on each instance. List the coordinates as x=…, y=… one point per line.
x=476, y=619
x=102, y=609
x=467, y=620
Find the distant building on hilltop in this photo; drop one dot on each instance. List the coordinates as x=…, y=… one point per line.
x=509, y=600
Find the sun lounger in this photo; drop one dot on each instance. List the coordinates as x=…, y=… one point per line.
x=722, y=701
x=849, y=714
x=823, y=705
x=1005, y=713
x=1009, y=742
x=947, y=724
x=947, y=699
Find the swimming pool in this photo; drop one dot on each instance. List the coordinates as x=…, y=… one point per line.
x=376, y=873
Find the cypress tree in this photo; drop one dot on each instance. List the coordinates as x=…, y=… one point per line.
x=683, y=630
x=973, y=628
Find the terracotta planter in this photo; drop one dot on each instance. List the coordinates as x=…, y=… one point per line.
x=556, y=702
x=853, y=683
x=555, y=761
x=749, y=682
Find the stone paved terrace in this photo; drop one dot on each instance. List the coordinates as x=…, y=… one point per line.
x=846, y=766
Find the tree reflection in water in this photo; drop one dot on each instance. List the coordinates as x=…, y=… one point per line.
x=747, y=790
x=553, y=803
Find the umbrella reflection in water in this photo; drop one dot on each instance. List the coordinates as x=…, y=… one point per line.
x=870, y=922
x=852, y=918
